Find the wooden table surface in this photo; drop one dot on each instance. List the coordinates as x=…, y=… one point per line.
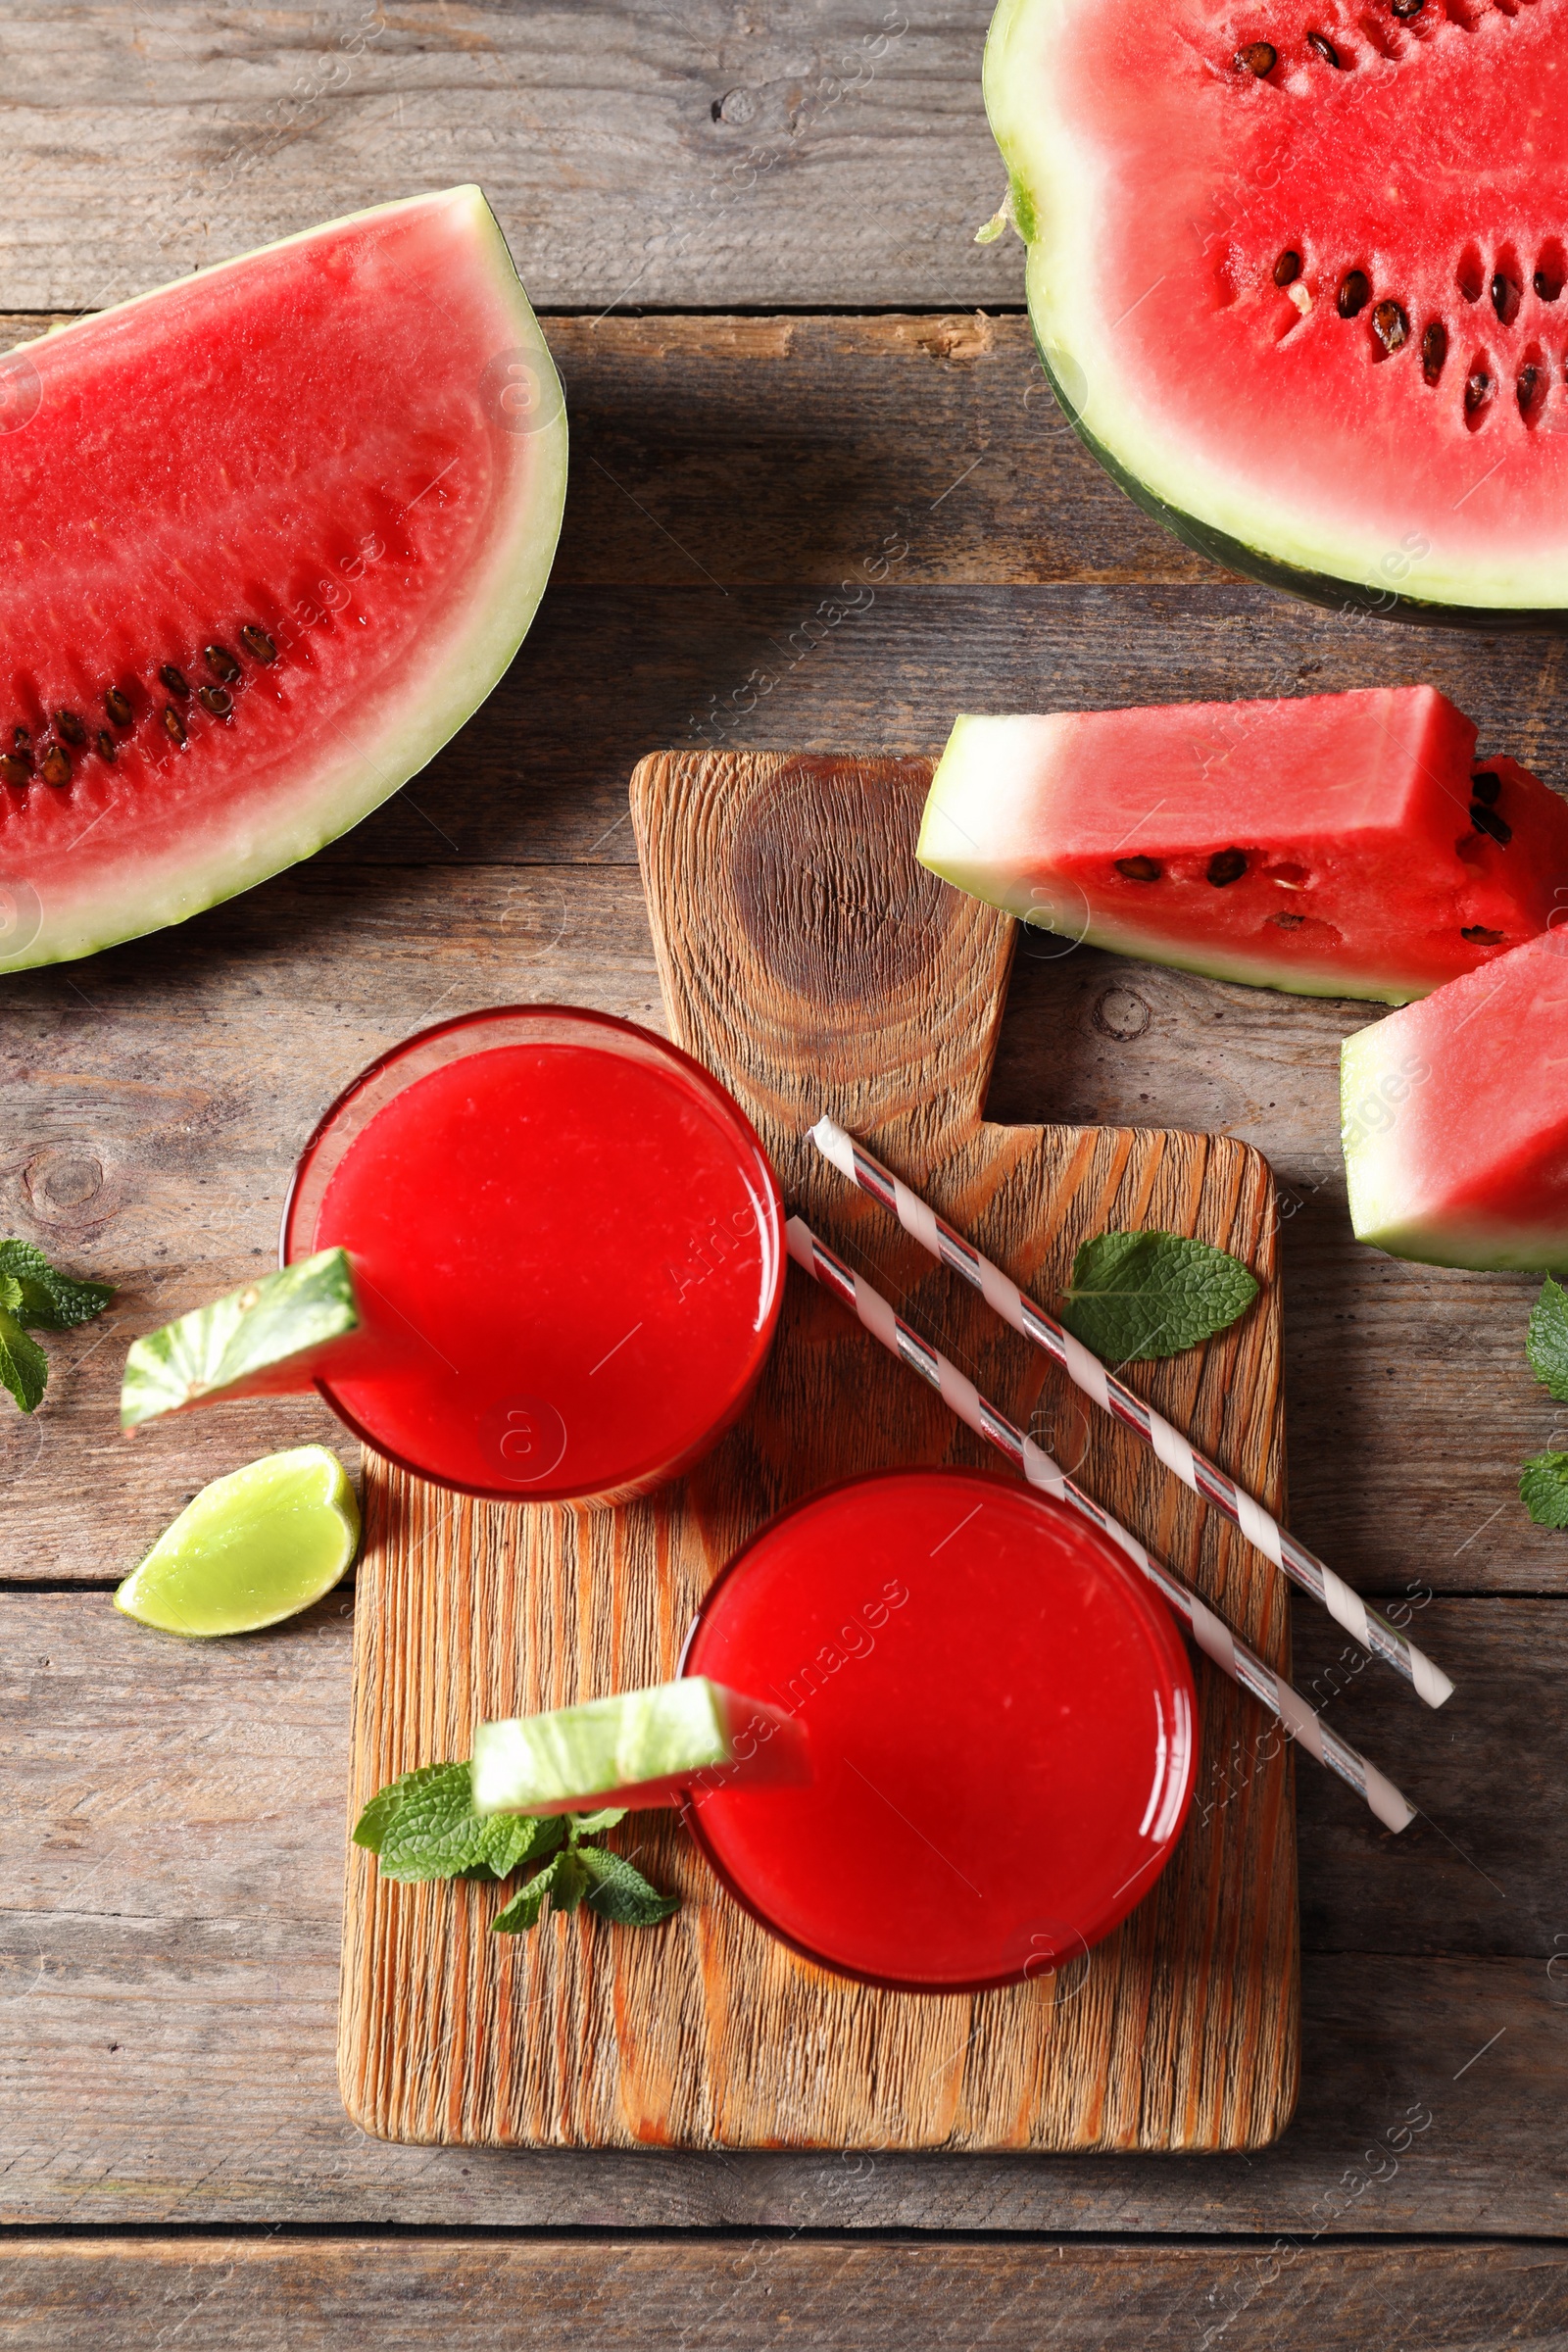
x=751, y=232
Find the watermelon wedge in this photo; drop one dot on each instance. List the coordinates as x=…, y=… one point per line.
x=1298, y=278
x=638, y=1750
x=275, y=532
x=1455, y=1118
x=1343, y=844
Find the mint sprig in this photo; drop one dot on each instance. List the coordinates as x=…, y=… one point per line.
x=1543, y=1488
x=1547, y=1342
x=424, y=1826
x=1135, y=1297
x=33, y=1296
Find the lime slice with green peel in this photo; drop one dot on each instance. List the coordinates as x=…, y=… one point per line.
x=272, y=1339
x=252, y=1549
x=643, y=1747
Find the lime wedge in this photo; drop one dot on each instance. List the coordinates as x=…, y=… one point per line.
x=268, y=1340
x=253, y=1547
x=643, y=1747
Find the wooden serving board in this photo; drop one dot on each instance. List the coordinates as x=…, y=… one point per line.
x=813, y=964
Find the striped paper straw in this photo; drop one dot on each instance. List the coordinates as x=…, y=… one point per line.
x=1205, y=1477
x=1214, y=1637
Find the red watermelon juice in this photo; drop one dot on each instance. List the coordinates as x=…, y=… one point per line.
x=566, y=1239
x=1000, y=1716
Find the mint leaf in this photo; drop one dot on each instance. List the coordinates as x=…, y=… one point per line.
x=435, y=1831
x=372, y=1823
x=522, y=1912
x=48, y=1302
x=569, y=1880
x=512, y=1838
x=1543, y=1486
x=620, y=1892
x=1548, y=1342
x=1138, y=1295
x=589, y=1824
x=23, y=1365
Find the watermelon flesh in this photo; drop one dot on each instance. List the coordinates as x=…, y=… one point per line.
x=638, y=1750
x=1299, y=278
x=275, y=532
x=1343, y=845
x=1455, y=1118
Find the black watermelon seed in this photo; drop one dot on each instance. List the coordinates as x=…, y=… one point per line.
x=1433, y=351
x=70, y=727
x=1480, y=937
x=1288, y=268
x=1502, y=297
x=175, y=680
x=174, y=724
x=12, y=769
x=1529, y=378
x=106, y=744
x=1258, y=57
x=1477, y=391
x=56, y=768
x=221, y=662
x=1484, y=786
x=1486, y=820
x=21, y=738
x=215, y=700
x=117, y=707
x=1139, y=870
x=1227, y=865
x=256, y=641
x=1355, y=292
x=1404, y=10
x=1392, y=324
x=1321, y=46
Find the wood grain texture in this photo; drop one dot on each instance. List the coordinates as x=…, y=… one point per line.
x=703, y=156
x=646, y=2294
x=808, y=960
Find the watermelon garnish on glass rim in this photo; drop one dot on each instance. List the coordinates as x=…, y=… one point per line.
x=1298, y=274
x=275, y=532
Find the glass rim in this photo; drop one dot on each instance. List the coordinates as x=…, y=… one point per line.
x=1148, y=1605
x=300, y=1198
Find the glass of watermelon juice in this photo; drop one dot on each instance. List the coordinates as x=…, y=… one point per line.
x=567, y=1245
x=1001, y=1720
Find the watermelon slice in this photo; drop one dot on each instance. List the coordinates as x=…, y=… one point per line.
x=637, y=1750
x=1455, y=1118
x=1299, y=277
x=1341, y=845
x=273, y=533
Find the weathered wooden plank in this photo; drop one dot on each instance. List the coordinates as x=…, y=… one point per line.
x=168, y=1962
x=152, y=1099
x=652, y=2292
x=822, y=152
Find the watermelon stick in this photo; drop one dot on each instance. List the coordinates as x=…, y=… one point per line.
x=1207, y=1479
x=1214, y=1637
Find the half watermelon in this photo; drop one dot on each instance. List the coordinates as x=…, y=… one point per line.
x=274, y=533
x=1298, y=278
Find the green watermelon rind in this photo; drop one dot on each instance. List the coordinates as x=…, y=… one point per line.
x=439, y=697
x=1374, y=1071
x=635, y=1738
x=1214, y=518
x=219, y=1351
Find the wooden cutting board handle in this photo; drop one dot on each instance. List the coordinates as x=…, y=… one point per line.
x=806, y=956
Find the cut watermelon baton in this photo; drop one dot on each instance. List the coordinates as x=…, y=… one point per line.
x=274, y=532
x=1343, y=844
x=274, y=1337
x=638, y=1750
x=1455, y=1118
x=1298, y=278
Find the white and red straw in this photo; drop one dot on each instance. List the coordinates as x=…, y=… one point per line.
x=1178, y=1454
x=1211, y=1634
